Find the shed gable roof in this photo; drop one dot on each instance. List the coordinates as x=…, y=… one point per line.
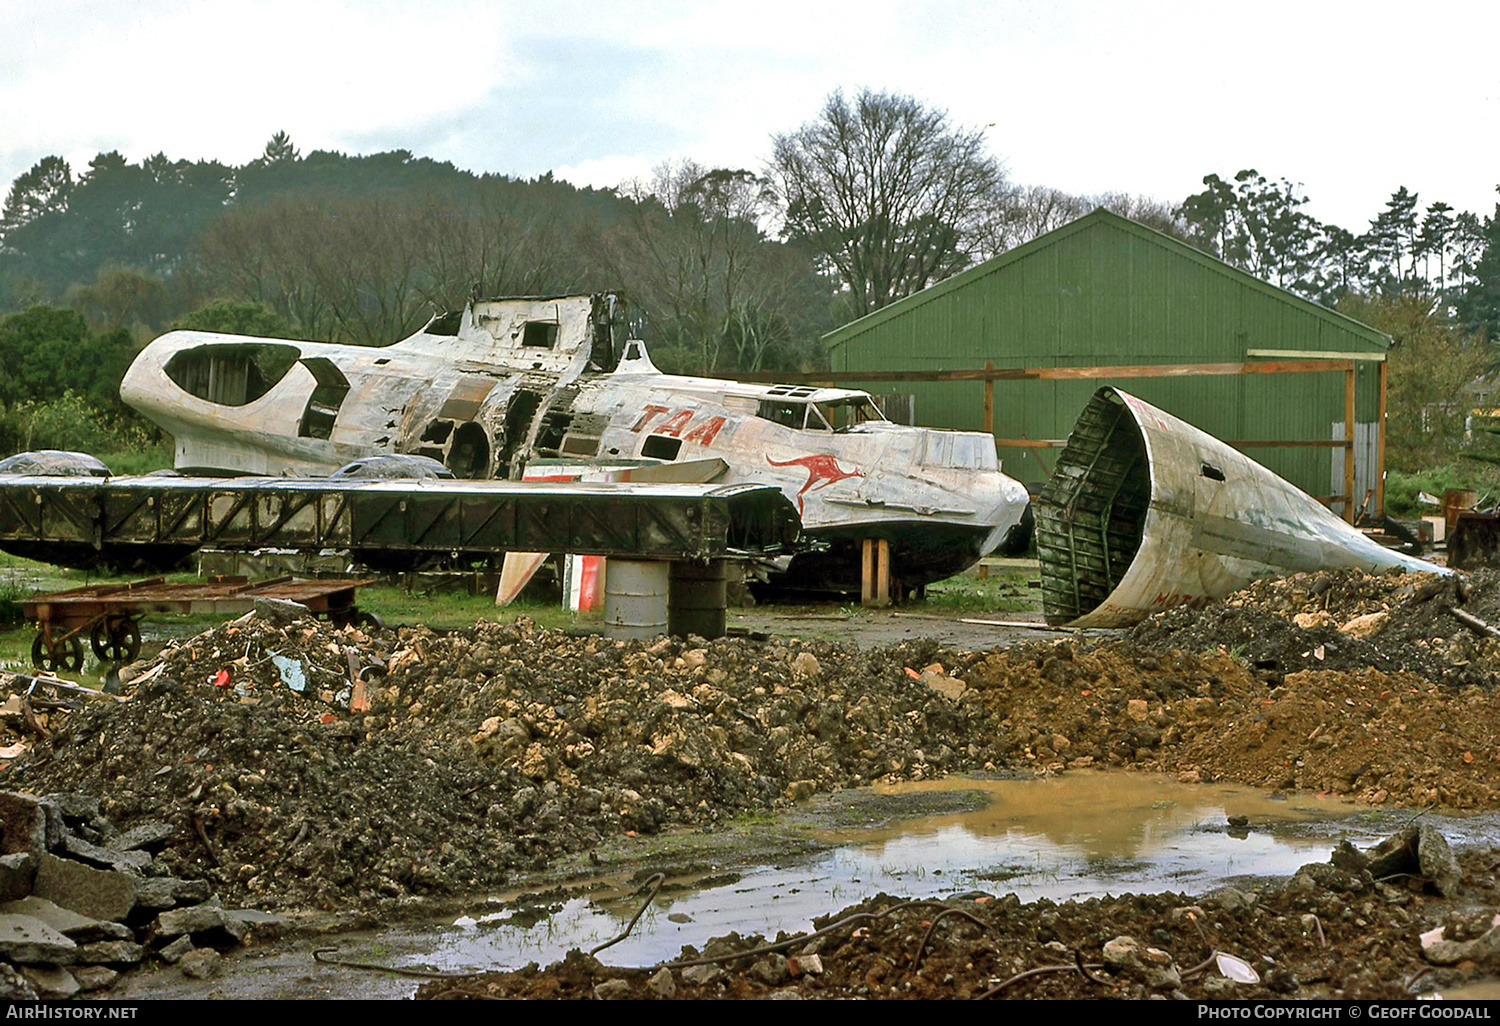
x=1091, y=222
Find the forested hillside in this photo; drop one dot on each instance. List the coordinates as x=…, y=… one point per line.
x=723, y=269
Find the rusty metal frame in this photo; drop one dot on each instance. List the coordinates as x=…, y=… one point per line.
x=650, y=521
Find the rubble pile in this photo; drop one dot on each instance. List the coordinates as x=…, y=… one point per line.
x=82, y=901
x=1348, y=620
x=1343, y=929
x=296, y=776
x=305, y=766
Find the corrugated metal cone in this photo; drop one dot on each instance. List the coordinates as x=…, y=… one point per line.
x=1145, y=512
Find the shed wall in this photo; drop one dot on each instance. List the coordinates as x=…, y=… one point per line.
x=1108, y=292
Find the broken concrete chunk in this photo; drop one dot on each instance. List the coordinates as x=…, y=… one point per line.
x=163, y=892
x=1439, y=951
x=51, y=981
x=208, y=924
x=28, y=939
x=80, y=929
x=1418, y=850
x=1231, y=899
x=1437, y=861
x=94, y=977
x=703, y=975
x=949, y=687
x=173, y=952
x=105, y=858
x=110, y=953
x=200, y=963
x=100, y=893
x=17, y=871
x=662, y=984
x=23, y=824
x=147, y=836
x=280, y=611
x=1364, y=626
x=612, y=990
x=1122, y=952
x=79, y=808
x=805, y=965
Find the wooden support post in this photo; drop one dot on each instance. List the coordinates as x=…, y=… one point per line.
x=875, y=572
x=867, y=572
x=989, y=400
x=1380, y=447
x=1349, y=503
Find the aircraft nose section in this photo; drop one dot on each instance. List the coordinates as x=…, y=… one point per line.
x=1011, y=520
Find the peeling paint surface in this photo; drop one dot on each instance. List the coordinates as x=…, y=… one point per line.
x=506, y=383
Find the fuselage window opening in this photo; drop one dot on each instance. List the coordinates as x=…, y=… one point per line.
x=580, y=445
x=469, y=455
x=661, y=447
x=322, y=408
x=539, y=335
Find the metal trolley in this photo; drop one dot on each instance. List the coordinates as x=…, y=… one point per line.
x=110, y=614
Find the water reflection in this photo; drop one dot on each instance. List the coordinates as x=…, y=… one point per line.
x=1071, y=837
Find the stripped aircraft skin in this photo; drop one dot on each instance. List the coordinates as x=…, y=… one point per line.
x=507, y=382
x=1145, y=512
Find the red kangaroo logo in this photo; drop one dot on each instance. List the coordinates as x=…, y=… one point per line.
x=822, y=471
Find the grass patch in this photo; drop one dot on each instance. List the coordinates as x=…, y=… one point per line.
x=450, y=610
x=131, y=462
x=1006, y=590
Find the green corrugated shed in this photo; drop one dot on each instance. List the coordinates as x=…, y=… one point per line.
x=1104, y=290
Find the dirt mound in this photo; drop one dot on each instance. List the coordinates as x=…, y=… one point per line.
x=1348, y=620
x=480, y=752
x=1376, y=737
x=307, y=766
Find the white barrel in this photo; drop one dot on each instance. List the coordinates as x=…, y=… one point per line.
x=635, y=598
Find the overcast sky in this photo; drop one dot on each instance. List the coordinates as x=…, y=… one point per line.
x=1352, y=100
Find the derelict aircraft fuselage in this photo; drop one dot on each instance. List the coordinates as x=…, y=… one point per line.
x=511, y=384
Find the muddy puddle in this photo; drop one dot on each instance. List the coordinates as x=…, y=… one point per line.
x=1070, y=837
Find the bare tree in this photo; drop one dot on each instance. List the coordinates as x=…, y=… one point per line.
x=887, y=191
x=715, y=291
x=1027, y=212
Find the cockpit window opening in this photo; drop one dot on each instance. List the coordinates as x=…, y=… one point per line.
x=843, y=414
x=445, y=323
x=779, y=411
x=231, y=375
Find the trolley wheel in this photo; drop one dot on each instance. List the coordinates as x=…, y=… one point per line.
x=116, y=642
x=63, y=655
